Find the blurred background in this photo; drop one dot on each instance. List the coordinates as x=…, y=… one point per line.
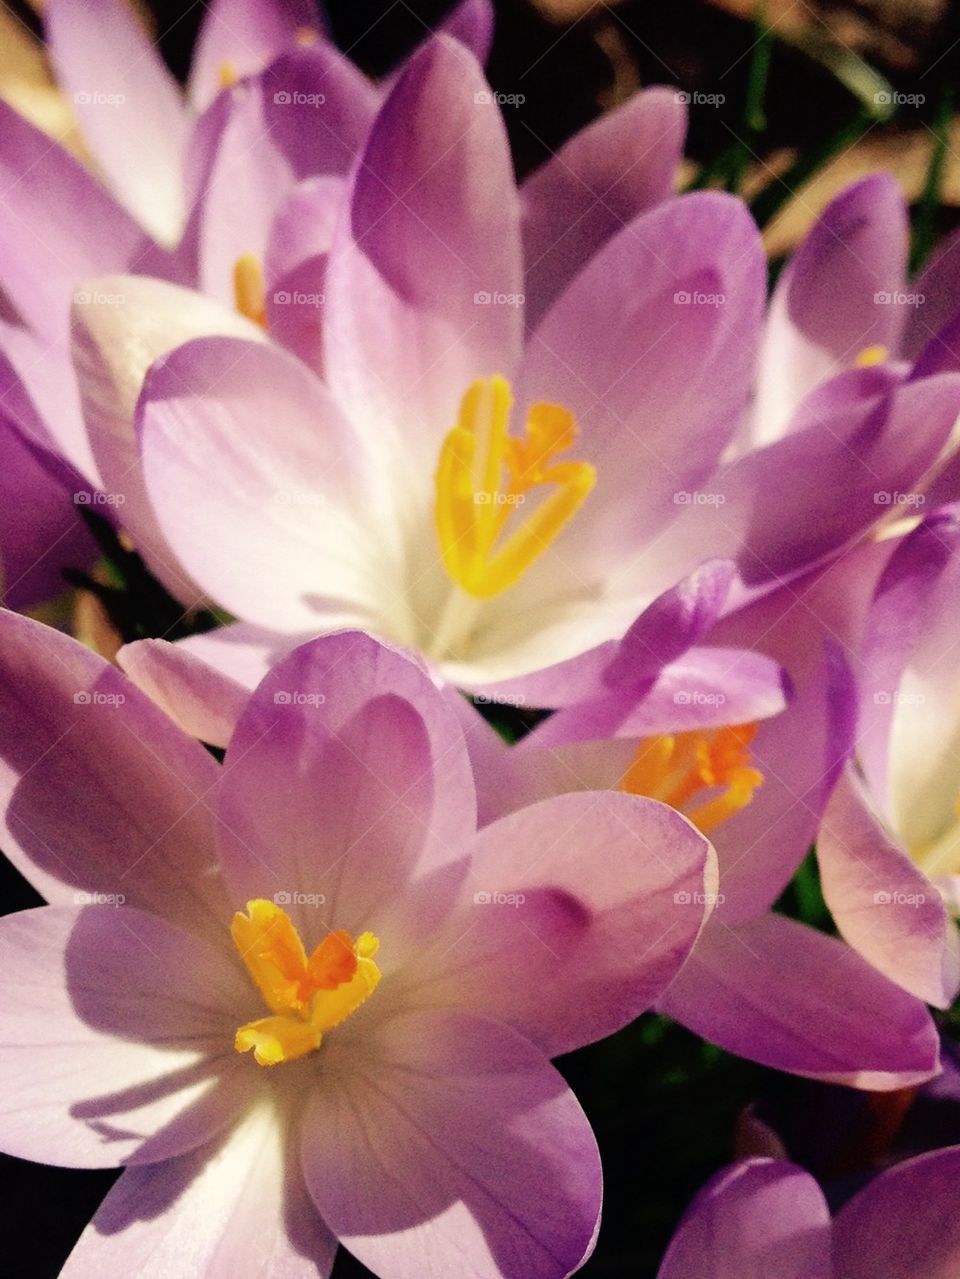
x=789, y=103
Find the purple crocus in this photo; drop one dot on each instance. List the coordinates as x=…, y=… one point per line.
x=680, y=711
x=192, y=185
x=762, y=1218
x=889, y=845
x=298, y=995
x=500, y=498
x=246, y=183
x=164, y=210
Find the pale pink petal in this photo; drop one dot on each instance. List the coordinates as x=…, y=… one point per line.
x=882, y=902
x=348, y=791
x=123, y=326
x=238, y=37
x=293, y=549
x=576, y=914
x=117, y=1036
x=424, y=276
x=101, y=792
x=903, y=1224
x=758, y=1219
x=129, y=106
x=620, y=165
x=792, y=998
x=236, y=1207
x=474, y=1157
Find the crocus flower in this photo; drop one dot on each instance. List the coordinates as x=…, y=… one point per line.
x=501, y=500
x=844, y=299
x=260, y=174
x=298, y=995
x=766, y=1217
x=705, y=735
x=167, y=210
x=889, y=846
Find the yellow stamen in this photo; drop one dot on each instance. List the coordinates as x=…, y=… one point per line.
x=306, y=36
x=308, y=996
x=484, y=476
x=871, y=355
x=677, y=768
x=227, y=75
x=249, y=290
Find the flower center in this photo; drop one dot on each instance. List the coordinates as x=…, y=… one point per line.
x=249, y=290
x=485, y=476
x=308, y=996
x=714, y=768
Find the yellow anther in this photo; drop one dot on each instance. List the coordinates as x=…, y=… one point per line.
x=227, y=75
x=249, y=290
x=678, y=768
x=871, y=355
x=484, y=476
x=307, y=996
x=306, y=36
